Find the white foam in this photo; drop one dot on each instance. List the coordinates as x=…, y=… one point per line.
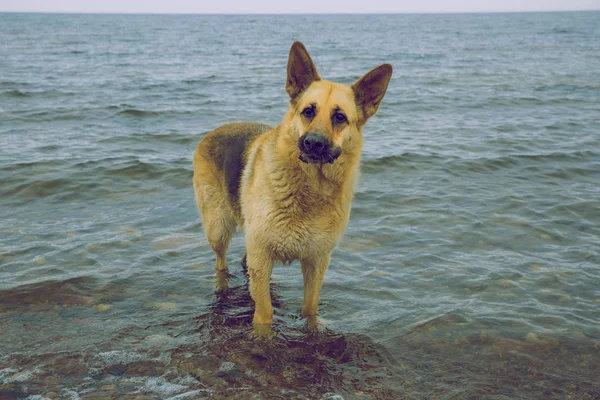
x=186, y=381
x=117, y=357
x=7, y=371
x=16, y=376
x=162, y=386
x=73, y=395
x=158, y=385
x=331, y=396
x=159, y=339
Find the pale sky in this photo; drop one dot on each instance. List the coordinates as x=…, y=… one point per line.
x=298, y=6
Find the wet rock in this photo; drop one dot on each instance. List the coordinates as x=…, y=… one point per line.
x=158, y=339
x=228, y=371
x=116, y=370
x=565, y=299
x=226, y=366
x=11, y=392
x=506, y=283
x=46, y=295
x=165, y=306
x=52, y=380
x=187, y=366
x=145, y=369
x=174, y=242
x=103, y=307
x=379, y=273
x=357, y=244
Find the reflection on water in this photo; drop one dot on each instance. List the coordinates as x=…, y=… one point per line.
x=216, y=355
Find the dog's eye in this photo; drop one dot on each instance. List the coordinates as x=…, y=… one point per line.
x=339, y=118
x=309, y=112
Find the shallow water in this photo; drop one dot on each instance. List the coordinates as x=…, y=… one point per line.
x=471, y=265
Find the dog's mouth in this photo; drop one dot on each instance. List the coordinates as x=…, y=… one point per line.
x=315, y=149
x=323, y=158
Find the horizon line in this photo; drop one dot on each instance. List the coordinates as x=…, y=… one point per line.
x=294, y=13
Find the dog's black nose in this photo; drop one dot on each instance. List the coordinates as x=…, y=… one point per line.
x=315, y=143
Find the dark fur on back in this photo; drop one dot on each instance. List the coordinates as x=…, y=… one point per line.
x=228, y=150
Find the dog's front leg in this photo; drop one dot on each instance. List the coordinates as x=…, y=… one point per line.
x=313, y=271
x=260, y=266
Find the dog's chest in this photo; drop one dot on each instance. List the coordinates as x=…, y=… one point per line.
x=293, y=214
x=290, y=236
x=295, y=230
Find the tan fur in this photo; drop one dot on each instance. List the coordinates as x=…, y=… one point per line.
x=288, y=209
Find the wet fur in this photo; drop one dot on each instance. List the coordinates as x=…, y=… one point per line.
x=251, y=175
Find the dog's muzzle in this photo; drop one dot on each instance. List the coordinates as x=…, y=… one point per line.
x=317, y=149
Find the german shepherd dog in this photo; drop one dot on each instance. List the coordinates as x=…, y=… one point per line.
x=289, y=187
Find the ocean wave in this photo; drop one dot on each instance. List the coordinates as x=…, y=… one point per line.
x=561, y=30
x=49, y=116
x=137, y=113
x=203, y=79
x=143, y=170
x=48, y=93
x=174, y=138
x=530, y=101
x=408, y=160
x=402, y=160
x=134, y=112
x=15, y=93
x=19, y=190
x=129, y=167
x=61, y=180
x=12, y=84
x=541, y=164
x=566, y=87
x=31, y=166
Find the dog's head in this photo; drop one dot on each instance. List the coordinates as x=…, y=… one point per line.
x=328, y=117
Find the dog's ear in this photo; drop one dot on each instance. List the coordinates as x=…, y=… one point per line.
x=301, y=71
x=370, y=89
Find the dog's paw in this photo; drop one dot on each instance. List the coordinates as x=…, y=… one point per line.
x=262, y=332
